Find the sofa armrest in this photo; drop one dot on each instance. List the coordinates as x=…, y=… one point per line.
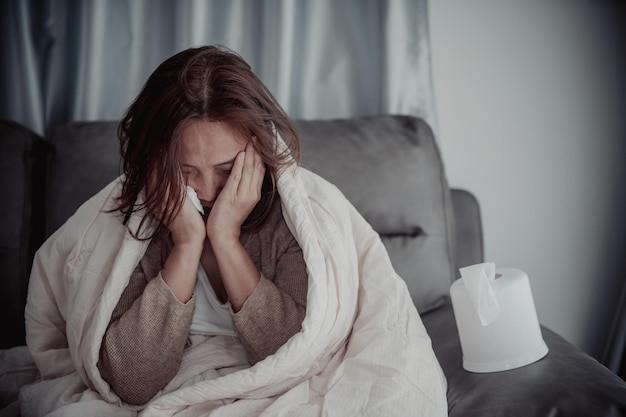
x=468, y=241
x=566, y=382
x=22, y=174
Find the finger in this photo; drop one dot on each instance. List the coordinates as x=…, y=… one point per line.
x=248, y=169
x=257, y=171
x=258, y=175
x=232, y=184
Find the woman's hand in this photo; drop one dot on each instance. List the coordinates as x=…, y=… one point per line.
x=187, y=226
x=238, y=198
x=188, y=233
x=241, y=193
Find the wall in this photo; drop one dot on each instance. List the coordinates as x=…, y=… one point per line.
x=528, y=100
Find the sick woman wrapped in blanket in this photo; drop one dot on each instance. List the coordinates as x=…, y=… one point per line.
x=274, y=297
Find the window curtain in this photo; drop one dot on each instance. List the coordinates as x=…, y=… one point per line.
x=86, y=60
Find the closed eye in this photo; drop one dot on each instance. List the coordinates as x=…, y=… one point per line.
x=188, y=172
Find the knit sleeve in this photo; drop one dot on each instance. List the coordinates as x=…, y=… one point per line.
x=143, y=345
x=274, y=311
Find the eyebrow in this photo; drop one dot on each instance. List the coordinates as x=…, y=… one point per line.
x=229, y=162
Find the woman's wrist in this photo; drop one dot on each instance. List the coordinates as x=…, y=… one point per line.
x=223, y=240
x=239, y=274
x=181, y=269
x=190, y=249
x=190, y=240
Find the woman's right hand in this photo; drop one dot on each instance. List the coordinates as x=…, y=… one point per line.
x=181, y=267
x=187, y=226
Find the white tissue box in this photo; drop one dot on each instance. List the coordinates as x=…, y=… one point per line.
x=513, y=339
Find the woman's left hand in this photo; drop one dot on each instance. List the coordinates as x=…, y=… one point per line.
x=238, y=198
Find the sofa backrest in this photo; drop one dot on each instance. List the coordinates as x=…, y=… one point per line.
x=389, y=167
x=85, y=157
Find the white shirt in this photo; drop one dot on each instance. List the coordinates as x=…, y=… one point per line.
x=210, y=317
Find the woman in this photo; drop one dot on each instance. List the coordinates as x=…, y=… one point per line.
x=139, y=299
x=203, y=120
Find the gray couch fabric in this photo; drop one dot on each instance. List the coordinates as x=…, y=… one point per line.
x=391, y=170
x=566, y=382
x=468, y=240
x=22, y=165
x=85, y=157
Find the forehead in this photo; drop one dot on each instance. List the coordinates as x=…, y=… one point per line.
x=209, y=141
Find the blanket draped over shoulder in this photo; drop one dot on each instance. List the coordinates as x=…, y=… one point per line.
x=362, y=350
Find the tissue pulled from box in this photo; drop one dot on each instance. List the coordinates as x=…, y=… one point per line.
x=478, y=281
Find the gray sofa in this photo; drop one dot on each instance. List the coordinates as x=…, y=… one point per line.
x=391, y=170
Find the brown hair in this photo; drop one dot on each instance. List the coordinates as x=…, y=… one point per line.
x=208, y=83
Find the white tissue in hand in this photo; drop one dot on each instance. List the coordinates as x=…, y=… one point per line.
x=477, y=279
x=194, y=199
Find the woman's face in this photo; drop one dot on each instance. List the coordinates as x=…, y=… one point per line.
x=208, y=152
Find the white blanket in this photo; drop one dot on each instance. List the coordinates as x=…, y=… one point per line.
x=362, y=350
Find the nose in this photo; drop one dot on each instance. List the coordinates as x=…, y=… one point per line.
x=209, y=188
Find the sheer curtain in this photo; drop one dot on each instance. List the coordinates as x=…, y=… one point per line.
x=86, y=60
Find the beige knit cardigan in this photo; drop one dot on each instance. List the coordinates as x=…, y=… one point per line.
x=144, y=343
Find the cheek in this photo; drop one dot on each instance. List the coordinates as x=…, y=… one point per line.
x=219, y=182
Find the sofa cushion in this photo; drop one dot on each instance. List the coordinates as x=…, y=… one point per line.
x=566, y=382
x=389, y=167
